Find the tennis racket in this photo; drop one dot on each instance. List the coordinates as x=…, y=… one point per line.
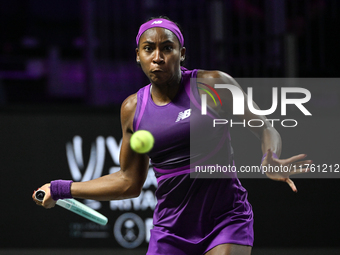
x=76, y=207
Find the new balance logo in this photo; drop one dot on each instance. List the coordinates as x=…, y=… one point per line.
x=183, y=115
x=157, y=22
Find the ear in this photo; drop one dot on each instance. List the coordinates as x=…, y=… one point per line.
x=183, y=50
x=137, y=55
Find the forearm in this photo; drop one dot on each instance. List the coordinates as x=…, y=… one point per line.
x=271, y=139
x=109, y=187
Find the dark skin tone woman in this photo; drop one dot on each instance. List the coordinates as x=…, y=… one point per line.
x=160, y=54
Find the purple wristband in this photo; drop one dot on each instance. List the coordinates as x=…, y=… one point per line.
x=60, y=189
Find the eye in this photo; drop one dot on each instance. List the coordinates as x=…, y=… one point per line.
x=147, y=48
x=168, y=48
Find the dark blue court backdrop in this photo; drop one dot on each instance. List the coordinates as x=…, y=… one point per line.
x=39, y=147
x=34, y=151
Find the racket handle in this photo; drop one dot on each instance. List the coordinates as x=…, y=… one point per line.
x=39, y=195
x=76, y=207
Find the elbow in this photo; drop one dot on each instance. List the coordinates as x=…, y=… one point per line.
x=128, y=187
x=134, y=190
x=136, y=194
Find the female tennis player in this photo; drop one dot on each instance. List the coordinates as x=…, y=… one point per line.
x=193, y=215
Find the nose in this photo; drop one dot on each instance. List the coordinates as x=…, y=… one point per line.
x=158, y=57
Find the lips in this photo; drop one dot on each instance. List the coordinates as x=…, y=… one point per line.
x=156, y=70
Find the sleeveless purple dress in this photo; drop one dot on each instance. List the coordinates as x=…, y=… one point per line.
x=192, y=215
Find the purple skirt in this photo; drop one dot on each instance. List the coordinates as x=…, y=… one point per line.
x=193, y=216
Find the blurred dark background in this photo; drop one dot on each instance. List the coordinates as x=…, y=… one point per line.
x=67, y=65
x=83, y=52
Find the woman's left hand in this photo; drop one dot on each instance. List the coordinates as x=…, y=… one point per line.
x=285, y=167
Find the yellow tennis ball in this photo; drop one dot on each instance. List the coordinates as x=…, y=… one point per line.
x=142, y=141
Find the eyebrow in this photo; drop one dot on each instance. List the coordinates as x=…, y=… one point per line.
x=150, y=42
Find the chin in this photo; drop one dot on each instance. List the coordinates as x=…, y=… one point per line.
x=160, y=79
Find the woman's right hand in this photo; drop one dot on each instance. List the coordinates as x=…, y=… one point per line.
x=48, y=201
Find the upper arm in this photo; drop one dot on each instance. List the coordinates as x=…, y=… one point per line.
x=218, y=77
x=133, y=165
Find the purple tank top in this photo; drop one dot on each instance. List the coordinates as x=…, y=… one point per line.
x=192, y=215
x=170, y=126
x=171, y=132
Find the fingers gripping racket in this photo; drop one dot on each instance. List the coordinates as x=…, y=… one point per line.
x=76, y=207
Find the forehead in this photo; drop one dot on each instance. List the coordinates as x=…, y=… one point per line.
x=158, y=34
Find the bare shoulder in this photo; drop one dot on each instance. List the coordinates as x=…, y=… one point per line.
x=215, y=74
x=217, y=77
x=129, y=104
x=127, y=111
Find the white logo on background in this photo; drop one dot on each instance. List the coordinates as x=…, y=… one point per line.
x=183, y=115
x=94, y=168
x=129, y=230
x=238, y=100
x=157, y=22
x=95, y=165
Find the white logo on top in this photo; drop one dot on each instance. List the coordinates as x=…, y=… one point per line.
x=157, y=22
x=183, y=115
